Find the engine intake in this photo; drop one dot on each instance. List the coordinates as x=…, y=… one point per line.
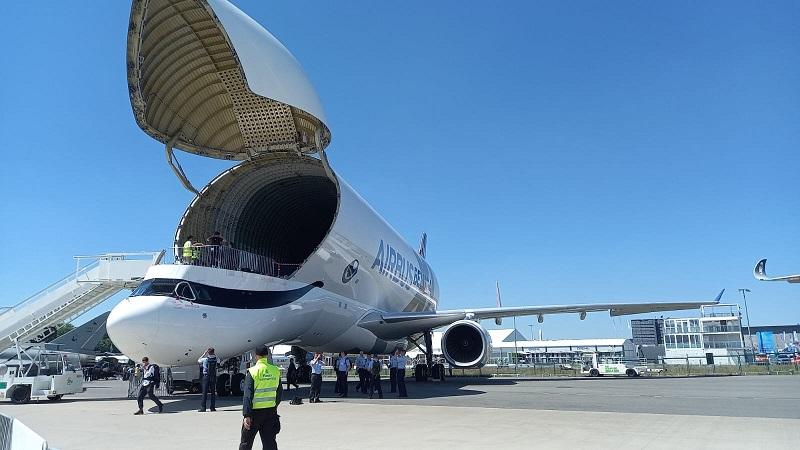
x=466, y=344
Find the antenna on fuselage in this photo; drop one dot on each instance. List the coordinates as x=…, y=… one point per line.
x=423, y=244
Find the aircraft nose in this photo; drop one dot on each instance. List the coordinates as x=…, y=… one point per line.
x=133, y=325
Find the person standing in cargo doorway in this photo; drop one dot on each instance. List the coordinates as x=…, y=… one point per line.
x=208, y=375
x=215, y=242
x=188, y=255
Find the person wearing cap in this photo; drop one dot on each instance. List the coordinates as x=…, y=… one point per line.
x=316, y=377
x=262, y=395
x=208, y=375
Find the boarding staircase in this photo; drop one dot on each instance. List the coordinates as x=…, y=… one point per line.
x=96, y=278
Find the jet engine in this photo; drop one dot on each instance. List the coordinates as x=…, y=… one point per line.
x=466, y=344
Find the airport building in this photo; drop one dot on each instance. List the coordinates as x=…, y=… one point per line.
x=507, y=342
x=647, y=331
x=713, y=338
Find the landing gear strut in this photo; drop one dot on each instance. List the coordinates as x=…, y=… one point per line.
x=423, y=371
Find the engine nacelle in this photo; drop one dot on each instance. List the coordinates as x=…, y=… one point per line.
x=466, y=344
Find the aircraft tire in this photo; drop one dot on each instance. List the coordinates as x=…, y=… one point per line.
x=22, y=394
x=237, y=384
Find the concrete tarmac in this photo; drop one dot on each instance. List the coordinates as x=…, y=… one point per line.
x=653, y=413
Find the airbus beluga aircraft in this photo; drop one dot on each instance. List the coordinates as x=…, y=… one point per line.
x=309, y=262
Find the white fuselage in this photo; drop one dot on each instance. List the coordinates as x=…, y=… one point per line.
x=363, y=266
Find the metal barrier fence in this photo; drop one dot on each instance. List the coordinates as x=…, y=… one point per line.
x=664, y=367
x=225, y=257
x=164, y=389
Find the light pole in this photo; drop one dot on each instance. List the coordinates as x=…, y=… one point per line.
x=747, y=314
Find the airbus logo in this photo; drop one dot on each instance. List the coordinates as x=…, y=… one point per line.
x=350, y=271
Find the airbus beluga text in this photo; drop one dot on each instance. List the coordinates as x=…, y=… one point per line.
x=308, y=262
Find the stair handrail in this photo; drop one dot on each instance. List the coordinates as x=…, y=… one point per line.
x=72, y=276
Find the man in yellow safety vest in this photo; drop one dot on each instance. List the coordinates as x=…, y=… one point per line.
x=189, y=254
x=262, y=394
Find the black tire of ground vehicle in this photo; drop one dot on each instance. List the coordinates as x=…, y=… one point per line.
x=55, y=398
x=222, y=384
x=21, y=394
x=594, y=373
x=630, y=373
x=237, y=384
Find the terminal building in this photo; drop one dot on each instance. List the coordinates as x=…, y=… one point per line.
x=508, y=342
x=713, y=338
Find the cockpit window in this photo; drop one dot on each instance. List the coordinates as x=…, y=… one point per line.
x=156, y=286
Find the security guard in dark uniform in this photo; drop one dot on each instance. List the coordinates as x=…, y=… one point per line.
x=262, y=394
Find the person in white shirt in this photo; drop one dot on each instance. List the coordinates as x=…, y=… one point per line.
x=393, y=371
x=149, y=379
x=343, y=365
x=401, y=362
x=316, y=377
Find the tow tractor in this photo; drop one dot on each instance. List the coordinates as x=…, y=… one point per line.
x=40, y=375
x=608, y=366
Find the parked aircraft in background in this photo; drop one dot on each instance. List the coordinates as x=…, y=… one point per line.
x=309, y=262
x=760, y=272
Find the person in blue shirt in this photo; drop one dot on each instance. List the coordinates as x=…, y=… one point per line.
x=316, y=377
x=208, y=374
x=343, y=365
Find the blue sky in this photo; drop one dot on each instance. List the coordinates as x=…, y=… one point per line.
x=574, y=151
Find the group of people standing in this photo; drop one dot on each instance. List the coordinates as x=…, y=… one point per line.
x=368, y=367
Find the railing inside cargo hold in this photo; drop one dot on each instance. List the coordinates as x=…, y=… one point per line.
x=226, y=257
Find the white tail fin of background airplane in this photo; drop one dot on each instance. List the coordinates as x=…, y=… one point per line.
x=423, y=245
x=498, y=320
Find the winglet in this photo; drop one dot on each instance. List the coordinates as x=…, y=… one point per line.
x=719, y=297
x=498, y=320
x=760, y=270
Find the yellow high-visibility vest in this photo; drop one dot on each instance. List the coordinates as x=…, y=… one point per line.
x=188, y=251
x=266, y=379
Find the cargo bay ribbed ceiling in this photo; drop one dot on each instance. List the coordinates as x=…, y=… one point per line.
x=280, y=206
x=186, y=82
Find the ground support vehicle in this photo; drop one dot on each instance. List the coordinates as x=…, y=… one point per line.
x=47, y=376
x=590, y=365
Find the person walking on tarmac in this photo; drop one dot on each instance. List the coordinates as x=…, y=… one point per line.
x=316, y=378
x=151, y=377
x=401, y=362
x=262, y=395
x=343, y=365
x=374, y=365
x=208, y=374
x=393, y=371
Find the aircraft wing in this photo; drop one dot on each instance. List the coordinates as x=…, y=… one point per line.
x=760, y=272
x=397, y=325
